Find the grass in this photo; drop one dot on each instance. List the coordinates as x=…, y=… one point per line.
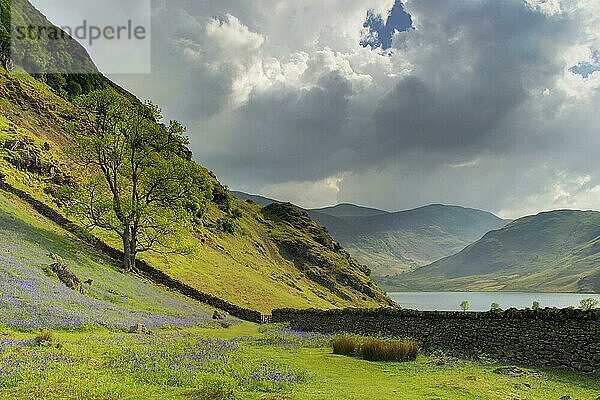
x=346, y=346
x=243, y=363
x=374, y=349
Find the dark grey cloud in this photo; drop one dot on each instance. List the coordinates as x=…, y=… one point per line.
x=479, y=104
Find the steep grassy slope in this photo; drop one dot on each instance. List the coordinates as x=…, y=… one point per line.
x=61, y=62
x=245, y=268
x=555, y=251
x=315, y=253
x=32, y=297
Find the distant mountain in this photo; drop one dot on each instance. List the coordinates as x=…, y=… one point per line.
x=349, y=210
x=557, y=251
x=391, y=243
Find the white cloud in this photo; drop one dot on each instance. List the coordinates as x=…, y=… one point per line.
x=476, y=106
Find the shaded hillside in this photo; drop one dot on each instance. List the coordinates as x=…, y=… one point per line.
x=309, y=246
x=61, y=63
x=553, y=251
x=234, y=249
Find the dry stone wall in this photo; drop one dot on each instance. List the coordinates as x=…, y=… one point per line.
x=547, y=338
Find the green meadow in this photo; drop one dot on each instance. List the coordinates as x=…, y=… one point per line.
x=244, y=361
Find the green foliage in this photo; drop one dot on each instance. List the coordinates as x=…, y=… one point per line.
x=536, y=305
x=589, y=304
x=222, y=197
x=227, y=225
x=236, y=213
x=137, y=184
x=5, y=27
x=465, y=305
x=495, y=307
x=74, y=89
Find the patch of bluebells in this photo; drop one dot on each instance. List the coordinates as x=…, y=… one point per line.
x=22, y=357
x=31, y=300
x=285, y=336
x=175, y=360
x=185, y=360
x=267, y=372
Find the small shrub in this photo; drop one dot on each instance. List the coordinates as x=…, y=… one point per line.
x=345, y=346
x=536, y=305
x=465, y=305
x=589, y=304
x=495, y=307
x=404, y=350
x=237, y=214
x=227, y=225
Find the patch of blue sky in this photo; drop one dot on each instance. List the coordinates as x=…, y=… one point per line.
x=379, y=33
x=587, y=68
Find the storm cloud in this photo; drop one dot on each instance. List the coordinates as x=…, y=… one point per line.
x=487, y=104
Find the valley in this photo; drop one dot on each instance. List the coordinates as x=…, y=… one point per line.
x=130, y=270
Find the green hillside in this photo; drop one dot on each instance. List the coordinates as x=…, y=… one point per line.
x=557, y=251
x=234, y=250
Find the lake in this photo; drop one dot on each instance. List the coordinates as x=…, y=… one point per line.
x=481, y=301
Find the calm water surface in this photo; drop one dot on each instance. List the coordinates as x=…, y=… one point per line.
x=481, y=301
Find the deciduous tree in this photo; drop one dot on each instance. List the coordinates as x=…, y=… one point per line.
x=140, y=180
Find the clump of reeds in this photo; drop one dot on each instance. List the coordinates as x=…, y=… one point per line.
x=375, y=349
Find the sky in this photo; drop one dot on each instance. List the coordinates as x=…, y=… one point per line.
x=482, y=103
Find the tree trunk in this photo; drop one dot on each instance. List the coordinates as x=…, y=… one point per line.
x=126, y=249
x=133, y=246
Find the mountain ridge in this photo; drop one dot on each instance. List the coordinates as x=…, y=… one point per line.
x=394, y=242
x=550, y=251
